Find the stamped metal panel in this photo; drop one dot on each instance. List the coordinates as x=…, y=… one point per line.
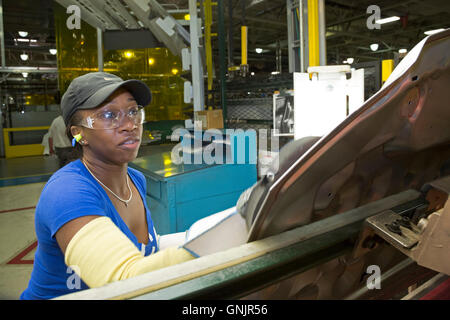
x=397, y=140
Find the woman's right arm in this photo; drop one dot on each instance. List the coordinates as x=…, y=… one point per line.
x=102, y=253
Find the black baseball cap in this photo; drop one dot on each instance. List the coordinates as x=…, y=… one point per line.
x=92, y=89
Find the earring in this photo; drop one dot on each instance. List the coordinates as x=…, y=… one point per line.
x=76, y=138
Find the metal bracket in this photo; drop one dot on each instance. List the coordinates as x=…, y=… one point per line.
x=395, y=228
x=424, y=238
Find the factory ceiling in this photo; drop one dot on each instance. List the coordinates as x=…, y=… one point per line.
x=347, y=33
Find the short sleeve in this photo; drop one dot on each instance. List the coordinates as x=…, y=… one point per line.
x=67, y=197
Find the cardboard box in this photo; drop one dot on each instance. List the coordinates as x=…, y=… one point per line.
x=211, y=119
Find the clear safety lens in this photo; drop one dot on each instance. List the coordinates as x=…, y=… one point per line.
x=111, y=118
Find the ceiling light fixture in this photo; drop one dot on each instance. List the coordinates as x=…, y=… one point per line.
x=24, y=56
x=259, y=50
x=387, y=20
x=430, y=32
x=23, y=33
x=374, y=46
x=350, y=60
x=52, y=51
x=402, y=50
x=25, y=74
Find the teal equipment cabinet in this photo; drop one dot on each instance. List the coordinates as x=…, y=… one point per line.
x=180, y=194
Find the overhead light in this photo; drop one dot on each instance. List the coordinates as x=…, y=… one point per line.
x=275, y=72
x=187, y=17
x=252, y=73
x=350, y=60
x=24, y=56
x=430, y=32
x=174, y=71
x=258, y=50
x=387, y=20
x=151, y=61
x=52, y=51
x=128, y=54
x=345, y=61
x=22, y=40
x=25, y=74
x=23, y=33
x=374, y=46
x=402, y=50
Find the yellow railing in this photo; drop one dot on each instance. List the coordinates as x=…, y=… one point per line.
x=23, y=150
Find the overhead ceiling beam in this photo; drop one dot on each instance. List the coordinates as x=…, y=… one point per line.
x=129, y=21
x=258, y=20
x=107, y=13
x=99, y=9
x=21, y=69
x=142, y=11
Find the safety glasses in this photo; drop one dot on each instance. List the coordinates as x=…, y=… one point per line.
x=111, y=118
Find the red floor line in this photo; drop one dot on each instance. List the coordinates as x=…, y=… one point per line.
x=18, y=209
x=18, y=259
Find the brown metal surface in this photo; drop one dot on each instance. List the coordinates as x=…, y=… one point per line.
x=399, y=139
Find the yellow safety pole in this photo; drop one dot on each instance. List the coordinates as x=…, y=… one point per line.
x=313, y=32
x=387, y=66
x=244, y=45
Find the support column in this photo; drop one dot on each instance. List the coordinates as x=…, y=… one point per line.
x=230, y=34
x=208, y=49
x=303, y=27
x=2, y=36
x=196, y=63
x=279, y=65
x=100, y=49
x=2, y=49
x=222, y=62
x=322, y=36
x=297, y=28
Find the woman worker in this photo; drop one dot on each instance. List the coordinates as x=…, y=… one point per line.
x=91, y=216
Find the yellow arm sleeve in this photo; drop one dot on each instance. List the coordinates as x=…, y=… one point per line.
x=101, y=253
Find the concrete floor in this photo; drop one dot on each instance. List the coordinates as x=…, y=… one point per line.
x=21, y=182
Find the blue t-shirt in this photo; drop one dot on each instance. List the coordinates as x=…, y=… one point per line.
x=70, y=193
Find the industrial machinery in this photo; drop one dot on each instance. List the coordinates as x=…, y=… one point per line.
x=373, y=194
